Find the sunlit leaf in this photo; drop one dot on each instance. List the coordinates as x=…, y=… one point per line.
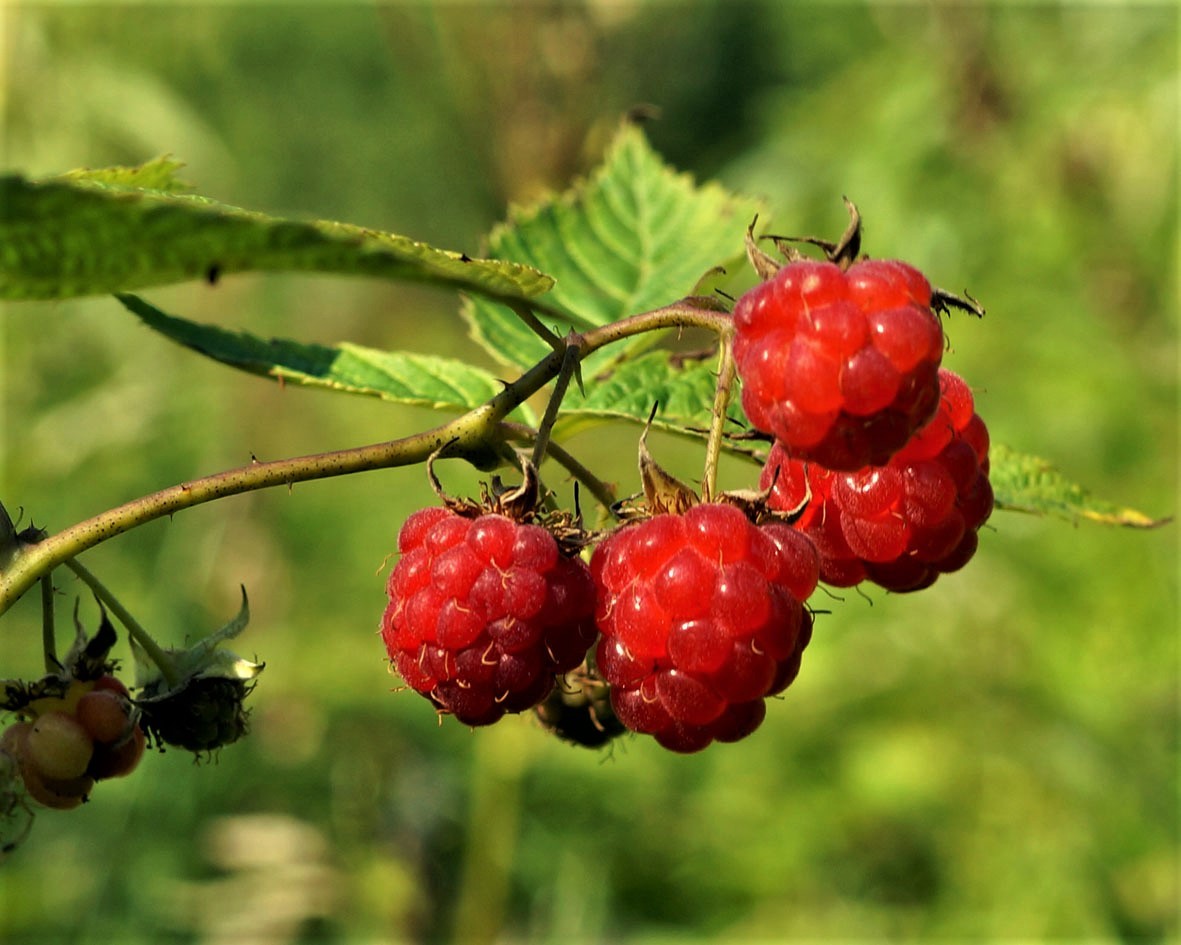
x=396, y=376
x=156, y=174
x=118, y=229
x=634, y=236
x=1029, y=484
x=683, y=390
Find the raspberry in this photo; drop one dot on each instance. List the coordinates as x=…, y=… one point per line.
x=29, y=752
x=839, y=365
x=59, y=746
x=484, y=612
x=204, y=714
x=118, y=759
x=903, y=524
x=105, y=715
x=702, y=617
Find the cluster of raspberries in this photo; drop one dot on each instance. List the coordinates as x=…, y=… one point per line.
x=699, y=617
x=878, y=472
x=878, y=449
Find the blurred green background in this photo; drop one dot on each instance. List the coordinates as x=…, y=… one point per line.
x=992, y=759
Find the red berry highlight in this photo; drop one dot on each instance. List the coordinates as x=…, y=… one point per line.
x=840, y=366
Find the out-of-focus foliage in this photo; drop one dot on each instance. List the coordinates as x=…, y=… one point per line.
x=993, y=758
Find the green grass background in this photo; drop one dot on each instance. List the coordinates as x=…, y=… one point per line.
x=994, y=759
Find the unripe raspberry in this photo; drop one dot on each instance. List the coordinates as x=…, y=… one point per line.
x=58, y=746
x=119, y=759
x=484, y=612
x=104, y=715
x=113, y=684
x=57, y=793
x=903, y=524
x=47, y=790
x=701, y=617
x=839, y=365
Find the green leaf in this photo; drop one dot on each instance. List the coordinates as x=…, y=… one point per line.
x=1029, y=484
x=631, y=238
x=684, y=391
x=118, y=229
x=156, y=174
x=396, y=376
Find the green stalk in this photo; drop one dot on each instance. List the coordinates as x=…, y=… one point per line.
x=141, y=636
x=48, y=625
x=717, y=426
x=570, y=359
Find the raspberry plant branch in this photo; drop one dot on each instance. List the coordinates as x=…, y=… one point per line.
x=469, y=435
x=133, y=627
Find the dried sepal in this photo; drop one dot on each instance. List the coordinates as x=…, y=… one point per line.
x=523, y=503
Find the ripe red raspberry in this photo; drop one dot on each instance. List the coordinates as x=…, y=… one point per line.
x=903, y=524
x=483, y=613
x=701, y=617
x=839, y=365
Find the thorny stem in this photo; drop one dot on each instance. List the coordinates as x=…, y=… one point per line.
x=717, y=426
x=48, y=625
x=466, y=434
x=134, y=630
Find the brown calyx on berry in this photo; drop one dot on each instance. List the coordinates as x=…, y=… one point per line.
x=664, y=494
x=756, y=505
x=843, y=252
x=88, y=660
x=943, y=302
x=516, y=502
x=763, y=263
x=523, y=503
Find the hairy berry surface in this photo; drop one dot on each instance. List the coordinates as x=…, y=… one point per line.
x=701, y=617
x=484, y=612
x=903, y=524
x=839, y=365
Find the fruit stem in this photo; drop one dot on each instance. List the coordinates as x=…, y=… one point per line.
x=570, y=358
x=717, y=425
x=48, y=625
x=141, y=636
